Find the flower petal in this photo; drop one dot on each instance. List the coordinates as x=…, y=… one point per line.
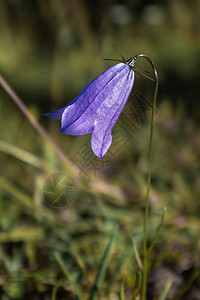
x=79, y=117
x=57, y=114
x=109, y=111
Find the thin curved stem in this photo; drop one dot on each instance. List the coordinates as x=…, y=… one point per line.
x=146, y=215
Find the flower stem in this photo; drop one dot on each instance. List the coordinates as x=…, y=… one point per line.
x=146, y=215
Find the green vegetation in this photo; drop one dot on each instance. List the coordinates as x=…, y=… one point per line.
x=72, y=227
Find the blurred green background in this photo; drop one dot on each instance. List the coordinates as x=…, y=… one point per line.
x=49, y=51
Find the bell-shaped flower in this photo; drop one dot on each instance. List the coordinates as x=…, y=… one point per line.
x=97, y=108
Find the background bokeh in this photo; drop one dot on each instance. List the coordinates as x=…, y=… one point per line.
x=49, y=51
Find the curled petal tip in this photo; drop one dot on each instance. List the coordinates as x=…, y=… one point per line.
x=57, y=114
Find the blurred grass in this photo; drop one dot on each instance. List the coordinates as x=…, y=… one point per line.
x=49, y=63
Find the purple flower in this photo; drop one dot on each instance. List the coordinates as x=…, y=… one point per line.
x=97, y=108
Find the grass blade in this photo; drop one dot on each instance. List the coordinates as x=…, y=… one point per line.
x=166, y=289
x=137, y=256
x=122, y=296
x=102, y=267
x=25, y=156
x=160, y=227
x=61, y=263
x=44, y=134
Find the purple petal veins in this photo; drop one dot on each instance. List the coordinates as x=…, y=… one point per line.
x=79, y=117
x=98, y=107
x=108, y=113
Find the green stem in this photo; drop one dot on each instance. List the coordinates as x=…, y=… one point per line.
x=146, y=215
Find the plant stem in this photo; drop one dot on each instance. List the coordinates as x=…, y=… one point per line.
x=146, y=215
